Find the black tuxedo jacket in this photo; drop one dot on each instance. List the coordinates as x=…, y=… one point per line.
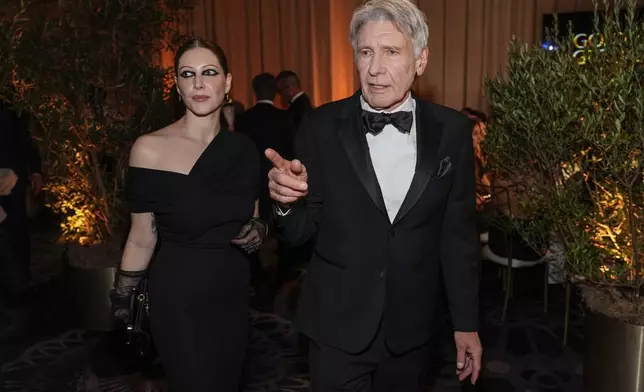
x=300, y=107
x=268, y=127
x=365, y=269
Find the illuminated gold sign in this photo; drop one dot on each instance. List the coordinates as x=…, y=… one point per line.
x=585, y=44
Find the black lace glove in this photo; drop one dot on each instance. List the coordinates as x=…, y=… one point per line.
x=252, y=235
x=121, y=295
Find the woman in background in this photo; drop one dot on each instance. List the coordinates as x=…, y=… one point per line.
x=192, y=192
x=478, y=136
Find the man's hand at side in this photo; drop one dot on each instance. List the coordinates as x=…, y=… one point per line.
x=469, y=353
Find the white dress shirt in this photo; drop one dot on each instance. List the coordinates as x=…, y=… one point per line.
x=296, y=96
x=393, y=155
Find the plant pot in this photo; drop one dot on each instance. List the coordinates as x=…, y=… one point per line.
x=614, y=359
x=88, y=286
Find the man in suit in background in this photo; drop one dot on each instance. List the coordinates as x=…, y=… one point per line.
x=18, y=153
x=294, y=258
x=8, y=284
x=289, y=88
x=385, y=182
x=268, y=127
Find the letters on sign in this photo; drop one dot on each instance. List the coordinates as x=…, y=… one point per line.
x=585, y=44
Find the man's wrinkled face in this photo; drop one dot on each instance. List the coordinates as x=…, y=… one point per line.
x=386, y=64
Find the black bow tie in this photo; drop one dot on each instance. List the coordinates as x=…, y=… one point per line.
x=375, y=122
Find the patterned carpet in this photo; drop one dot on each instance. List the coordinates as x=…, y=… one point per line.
x=42, y=350
x=80, y=361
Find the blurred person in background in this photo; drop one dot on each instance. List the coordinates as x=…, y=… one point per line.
x=19, y=153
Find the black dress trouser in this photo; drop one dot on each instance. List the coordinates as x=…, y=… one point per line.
x=375, y=369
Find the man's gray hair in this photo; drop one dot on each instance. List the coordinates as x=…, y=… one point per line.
x=404, y=14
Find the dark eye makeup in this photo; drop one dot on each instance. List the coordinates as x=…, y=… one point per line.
x=206, y=72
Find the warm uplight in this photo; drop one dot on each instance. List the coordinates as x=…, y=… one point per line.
x=609, y=231
x=81, y=211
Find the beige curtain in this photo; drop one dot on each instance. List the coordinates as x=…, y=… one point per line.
x=468, y=41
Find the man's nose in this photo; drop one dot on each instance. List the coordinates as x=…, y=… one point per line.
x=376, y=65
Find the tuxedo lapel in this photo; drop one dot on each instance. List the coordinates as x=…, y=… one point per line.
x=429, y=133
x=350, y=131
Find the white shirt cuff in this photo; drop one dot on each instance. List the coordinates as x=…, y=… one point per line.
x=280, y=212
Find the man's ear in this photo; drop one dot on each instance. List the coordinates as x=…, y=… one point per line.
x=421, y=61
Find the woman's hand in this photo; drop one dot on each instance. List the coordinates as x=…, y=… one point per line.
x=125, y=284
x=252, y=235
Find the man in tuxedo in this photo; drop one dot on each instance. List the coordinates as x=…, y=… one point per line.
x=385, y=182
x=289, y=88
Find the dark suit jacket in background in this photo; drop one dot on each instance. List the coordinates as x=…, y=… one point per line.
x=17, y=151
x=366, y=269
x=268, y=127
x=299, y=108
x=239, y=110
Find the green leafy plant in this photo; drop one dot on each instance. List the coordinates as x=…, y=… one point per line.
x=88, y=73
x=571, y=130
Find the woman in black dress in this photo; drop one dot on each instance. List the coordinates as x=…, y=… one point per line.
x=192, y=190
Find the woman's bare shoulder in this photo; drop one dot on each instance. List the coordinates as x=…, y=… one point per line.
x=149, y=148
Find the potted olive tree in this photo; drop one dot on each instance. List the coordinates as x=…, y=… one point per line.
x=569, y=123
x=87, y=73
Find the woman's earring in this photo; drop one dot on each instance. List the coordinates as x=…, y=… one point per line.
x=226, y=98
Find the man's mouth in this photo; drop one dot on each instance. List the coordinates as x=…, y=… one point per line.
x=377, y=87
